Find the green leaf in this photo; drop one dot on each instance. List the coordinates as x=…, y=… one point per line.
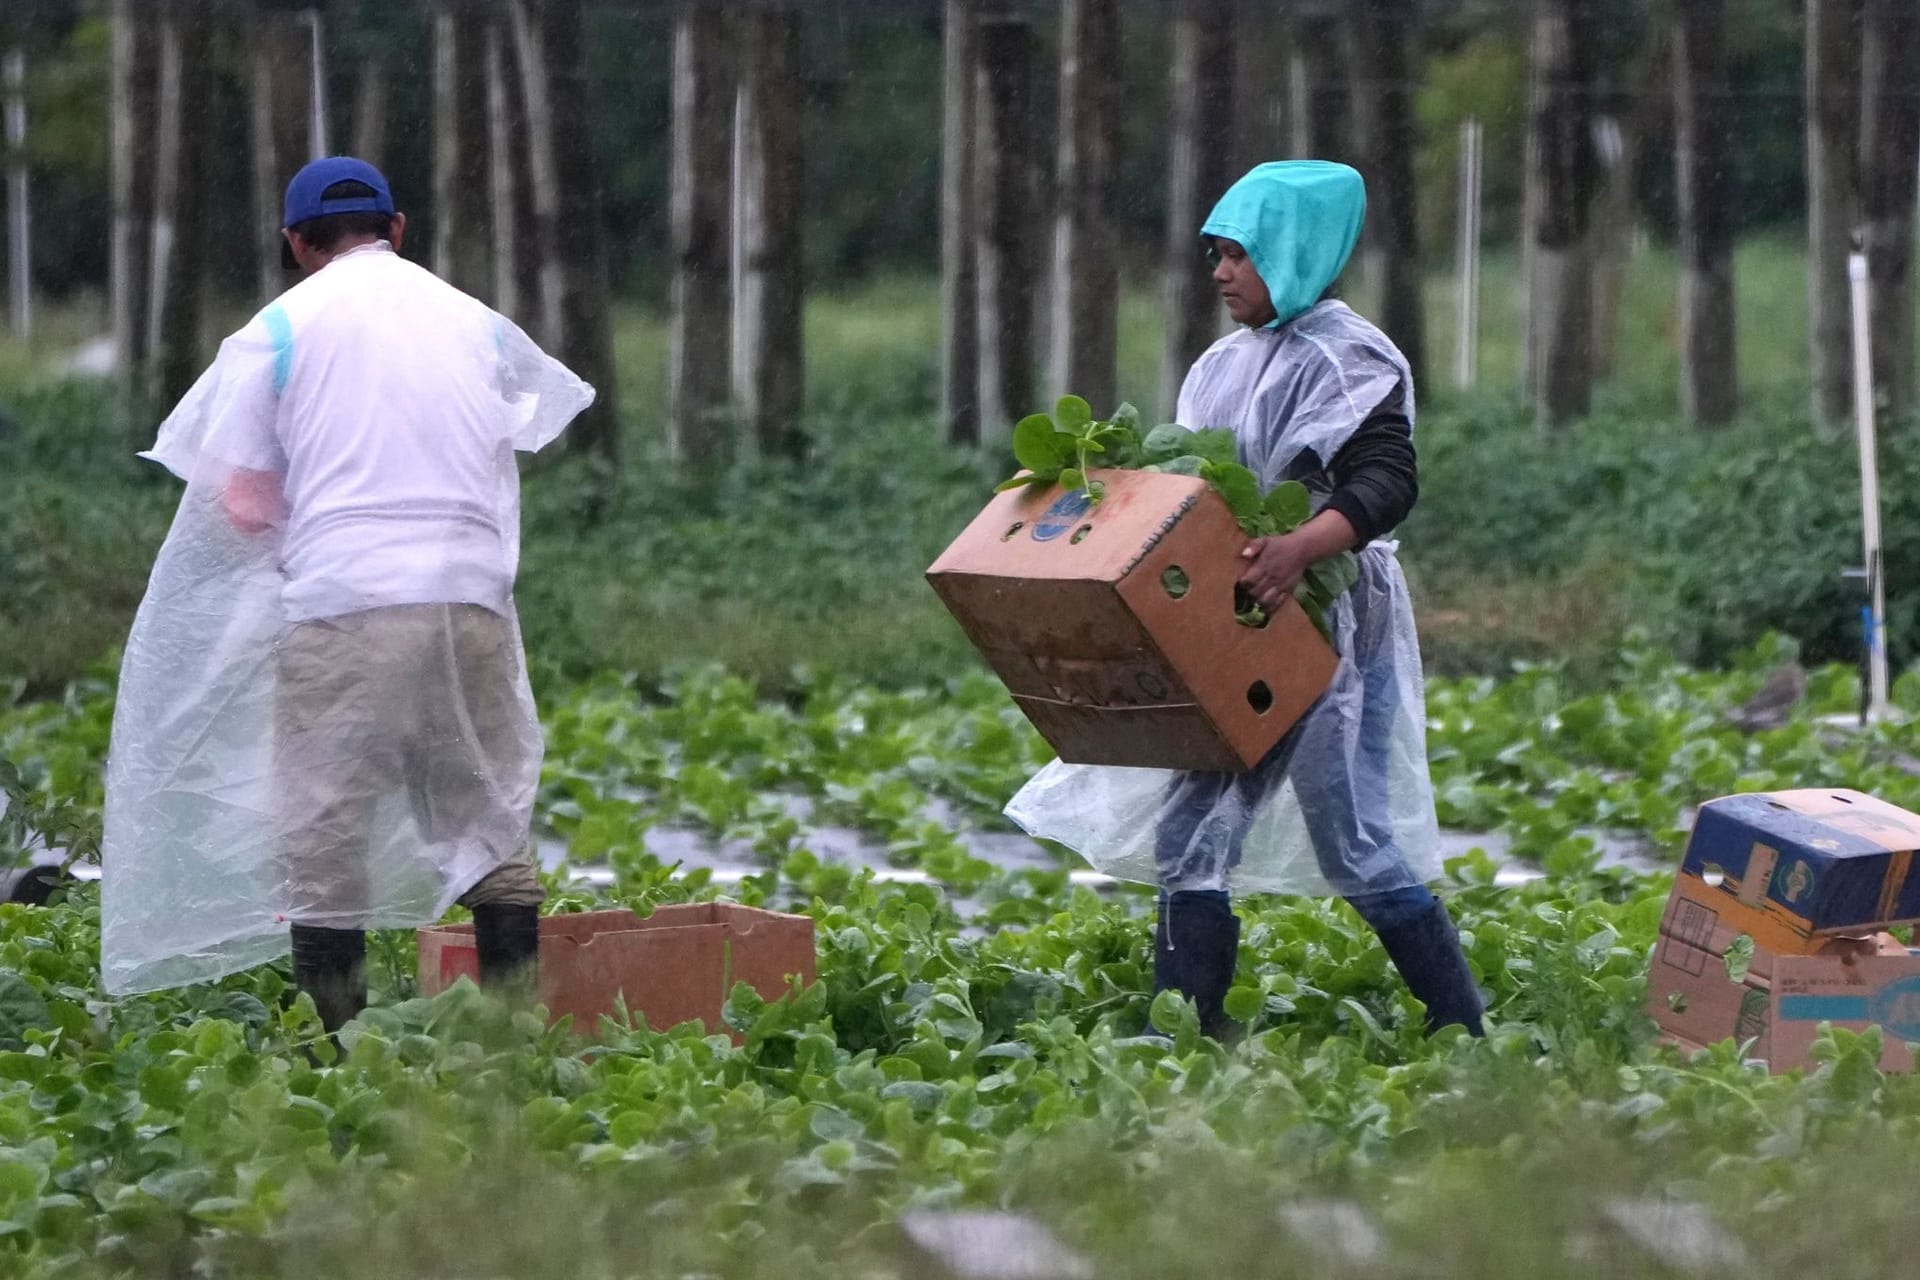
x=1243, y=1004
x=1739, y=958
x=1238, y=486
x=1331, y=578
x=1029, y=480
x=1186, y=465
x=1168, y=440
x=1039, y=446
x=21, y=1010
x=1072, y=413
x=1127, y=416
x=1289, y=505
x=1073, y=478
x=1216, y=444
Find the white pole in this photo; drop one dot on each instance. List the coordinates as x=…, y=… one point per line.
x=317, y=72
x=1876, y=621
x=1466, y=347
x=19, y=220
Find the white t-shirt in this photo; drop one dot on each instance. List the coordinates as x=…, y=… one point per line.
x=394, y=439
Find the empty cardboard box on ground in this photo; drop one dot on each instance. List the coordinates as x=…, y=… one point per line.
x=1808, y=878
x=678, y=964
x=1113, y=625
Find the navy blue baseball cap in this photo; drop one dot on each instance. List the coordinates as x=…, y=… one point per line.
x=304, y=200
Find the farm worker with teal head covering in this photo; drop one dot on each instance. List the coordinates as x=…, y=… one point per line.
x=1344, y=804
x=1297, y=222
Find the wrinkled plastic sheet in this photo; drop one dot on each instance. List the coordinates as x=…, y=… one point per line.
x=1343, y=805
x=259, y=772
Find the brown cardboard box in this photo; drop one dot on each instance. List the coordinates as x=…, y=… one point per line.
x=1792, y=867
x=1854, y=992
x=1696, y=1003
x=677, y=964
x=1113, y=624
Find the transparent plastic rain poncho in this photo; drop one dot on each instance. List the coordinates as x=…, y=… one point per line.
x=227, y=754
x=1344, y=803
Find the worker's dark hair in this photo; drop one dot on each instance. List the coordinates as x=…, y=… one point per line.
x=327, y=231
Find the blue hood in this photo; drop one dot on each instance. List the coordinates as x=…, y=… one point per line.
x=1298, y=220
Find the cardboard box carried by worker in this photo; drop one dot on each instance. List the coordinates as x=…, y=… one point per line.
x=1809, y=879
x=674, y=966
x=1113, y=624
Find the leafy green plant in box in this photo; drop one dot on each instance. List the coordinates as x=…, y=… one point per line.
x=1064, y=447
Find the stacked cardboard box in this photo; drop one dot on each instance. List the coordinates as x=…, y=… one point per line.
x=1113, y=624
x=1812, y=878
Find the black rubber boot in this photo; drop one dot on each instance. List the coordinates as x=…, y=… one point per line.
x=1195, y=946
x=331, y=966
x=1426, y=950
x=508, y=938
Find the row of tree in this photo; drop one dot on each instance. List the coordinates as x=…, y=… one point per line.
x=516, y=201
x=516, y=196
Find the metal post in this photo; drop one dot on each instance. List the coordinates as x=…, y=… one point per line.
x=1466, y=348
x=19, y=221
x=1875, y=621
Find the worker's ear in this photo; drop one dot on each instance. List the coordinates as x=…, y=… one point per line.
x=397, y=231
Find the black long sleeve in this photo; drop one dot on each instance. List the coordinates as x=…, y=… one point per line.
x=1375, y=475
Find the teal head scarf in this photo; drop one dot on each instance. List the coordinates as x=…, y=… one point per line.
x=1298, y=220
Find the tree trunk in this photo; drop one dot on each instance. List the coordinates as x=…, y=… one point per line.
x=1317, y=84
x=1890, y=147
x=1392, y=139
x=1008, y=239
x=768, y=352
x=1833, y=197
x=1633, y=119
x=1086, y=274
x=462, y=207
x=1562, y=173
x=134, y=88
x=543, y=168
x=586, y=319
x=181, y=207
x=1708, y=382
x=1260, y=113
x=370, y=108
x=959, y=268
x=282, y=94
x=1197, y=175
x=700, y=341
x=516, y=281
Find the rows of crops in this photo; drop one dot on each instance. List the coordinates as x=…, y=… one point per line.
x=991, y=1057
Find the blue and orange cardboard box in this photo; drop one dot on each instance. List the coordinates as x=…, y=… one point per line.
x=1792, y=868
x=1812, y=878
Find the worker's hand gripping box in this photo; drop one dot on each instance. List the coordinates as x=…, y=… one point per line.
x=676, y=965
x=1114, y=626
x=1786, y=867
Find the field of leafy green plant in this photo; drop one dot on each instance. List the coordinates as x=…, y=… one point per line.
x=976, y=1042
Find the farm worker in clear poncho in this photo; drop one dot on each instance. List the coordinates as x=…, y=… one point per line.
x=324, y=724
x=1344, y=803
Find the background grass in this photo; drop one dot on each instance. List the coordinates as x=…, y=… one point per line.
x=1525, y=545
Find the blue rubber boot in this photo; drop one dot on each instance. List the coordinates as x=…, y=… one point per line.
x=1195, y=945
x=1426, y=949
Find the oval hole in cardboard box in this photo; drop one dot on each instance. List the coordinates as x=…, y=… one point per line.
x=1018, y=525
x=1080, y=534
x=1175, y=582
x=1260, y=697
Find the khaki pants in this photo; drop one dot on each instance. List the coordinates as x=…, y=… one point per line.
x=413, y=708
